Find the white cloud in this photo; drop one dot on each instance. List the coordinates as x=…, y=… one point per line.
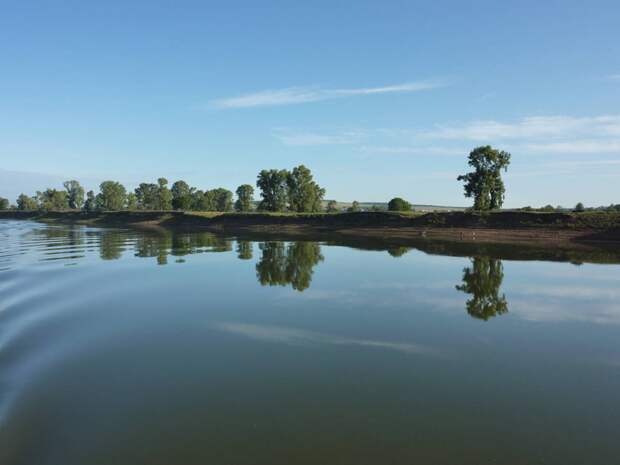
x=574, y=147
x=613, y=78
x=296, y=95
x=530, y=128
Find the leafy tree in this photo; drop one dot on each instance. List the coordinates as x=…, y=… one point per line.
x=131, y=202
x=164, y=196
x=398, y=205
x=199, y=201
x=485, y=182
x=111, y=196
x=245, y=197
x=332, y=206
x=548, y=208
x=182, y=196
x=483, y=280
x=304, y=194
x=25, y=202
x=147, y=196
x=91, y=204
x=579, y=207
x=52, y=199
x=222, y=199
x=274, y=189
x=4, y=203
x=355, y=207
x=75, y=194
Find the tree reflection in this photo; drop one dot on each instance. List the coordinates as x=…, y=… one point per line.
x=293, y=264
x=483, y=281
x=111, y=245
x=178, y=245
x=244, y=250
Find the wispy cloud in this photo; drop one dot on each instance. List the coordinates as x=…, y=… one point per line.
x=530, y=127
x=613, y=78
x=412, y=150
x=573, y=147
x=288, y=137
x=297, y=95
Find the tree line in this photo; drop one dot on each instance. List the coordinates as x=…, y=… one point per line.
x=280, y=190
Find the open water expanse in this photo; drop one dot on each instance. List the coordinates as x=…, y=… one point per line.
x=124, y=347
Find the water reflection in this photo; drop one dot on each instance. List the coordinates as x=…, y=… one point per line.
x=244, y=250
x=281, y=264
x=483, y=281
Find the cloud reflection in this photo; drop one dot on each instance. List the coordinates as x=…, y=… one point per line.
x=300, y=337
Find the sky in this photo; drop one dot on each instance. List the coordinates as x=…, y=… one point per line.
x=379, y=98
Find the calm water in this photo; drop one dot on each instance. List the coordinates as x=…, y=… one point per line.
x=124, y=347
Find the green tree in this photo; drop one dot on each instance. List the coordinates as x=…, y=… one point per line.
x=147, y=196
x=483, y=281
x=182, y=196
x=4, y=203
x=399, y=205
x=25, y=202
x=274, y=190
x=304, y=194
x=485, y=183
x=131, y=201
x=52, y=199
x=75, y=194
x=111, y=196
x=90, y=205
x=355, y=207
x=579, y=207
x=245, y=197
x=222, y=199
x=164, y=196
x=332, y=206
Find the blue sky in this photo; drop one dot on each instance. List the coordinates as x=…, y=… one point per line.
x=379, y=99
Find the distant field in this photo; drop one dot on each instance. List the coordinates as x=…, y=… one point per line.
x=383, y=206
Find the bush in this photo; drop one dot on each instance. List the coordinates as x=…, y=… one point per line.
x=399, y=205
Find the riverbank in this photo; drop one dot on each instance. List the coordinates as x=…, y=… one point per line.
x=498, y=227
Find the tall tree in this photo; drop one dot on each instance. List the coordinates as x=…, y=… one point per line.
x=164, y=196
x=485, y=183
x=52, y=199
x=25, y=202
x=90, y=205
x=111, y=197
x=147, y=196
x=332, y=206
x=4, y=203
x=75, y=194
x=222, y=199
x=274, y=189
x=304, y=194
x=245, y=197
x=131, y=202
x=182, y=196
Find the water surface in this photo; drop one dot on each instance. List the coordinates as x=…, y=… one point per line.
x=126, y=347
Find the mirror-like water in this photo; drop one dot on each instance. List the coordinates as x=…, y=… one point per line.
x=126, y=347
